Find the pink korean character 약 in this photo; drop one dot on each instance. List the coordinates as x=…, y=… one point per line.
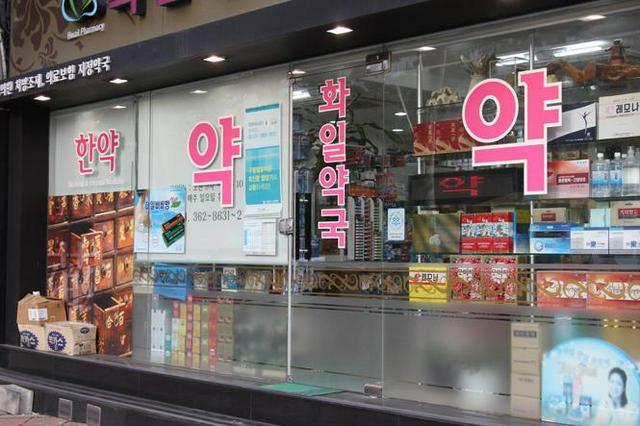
x=329, y=177
x=107, y=146
x=334, y=96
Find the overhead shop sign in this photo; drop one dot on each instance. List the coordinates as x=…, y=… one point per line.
x=79, y=10
x=69, y=72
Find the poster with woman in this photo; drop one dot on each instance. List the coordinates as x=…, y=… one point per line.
x=590, y=382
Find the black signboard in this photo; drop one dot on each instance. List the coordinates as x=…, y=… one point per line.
x=466, y=187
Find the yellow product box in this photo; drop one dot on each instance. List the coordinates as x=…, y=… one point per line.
x=429, y=282
x=71, y=338
x=183, y=310
x=197, y=329
x=196, y=312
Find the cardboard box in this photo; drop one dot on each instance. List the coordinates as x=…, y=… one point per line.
x=556, y=215
x=525, y=385
x=562, y=288
x=568, y=179
x=619, y=116
x=524, y=407
x=34, y=309
x=625, y=213
x=578, y=123
x=32, y=337
x=429, y=282
x=71, y=338
x=525, y=361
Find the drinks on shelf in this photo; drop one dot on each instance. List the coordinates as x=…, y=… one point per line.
x=615, y=176
x=600, y=177
x=631, y=174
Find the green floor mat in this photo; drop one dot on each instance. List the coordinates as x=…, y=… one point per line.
x=299, y=389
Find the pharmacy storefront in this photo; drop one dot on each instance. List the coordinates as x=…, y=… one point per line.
x=452, y=219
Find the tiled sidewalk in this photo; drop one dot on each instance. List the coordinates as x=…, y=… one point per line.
x=35, y=420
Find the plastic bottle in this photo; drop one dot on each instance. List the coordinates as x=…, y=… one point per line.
x=600, y=177
x=615, y=176
x=630, y=175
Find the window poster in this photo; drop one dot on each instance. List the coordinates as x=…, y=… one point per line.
x=160, y=220
x=262, y=160
x=589, y=381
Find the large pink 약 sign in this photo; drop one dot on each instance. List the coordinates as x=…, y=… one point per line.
x=203, y=147
x=542, y=103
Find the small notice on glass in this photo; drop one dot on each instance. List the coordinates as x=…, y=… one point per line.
x=259, y=237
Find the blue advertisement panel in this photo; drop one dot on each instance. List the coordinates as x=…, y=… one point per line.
x=590, y=382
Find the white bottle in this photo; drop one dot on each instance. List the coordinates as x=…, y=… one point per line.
x=615, y=176
x=600, y=177
x=630, y=175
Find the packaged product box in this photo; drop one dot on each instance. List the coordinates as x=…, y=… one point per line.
x=81, y=206
x=624, y=240
x=107, y=231
x=172, y=281
x=441, y=137
x=429, y=282
x=619, y=116
x=600, y=217
x=124, y=231
x=105, y=202
x=34, y=309
x=551, y=238
x=465, y=278
x=500, y=279
x=57, y=210
x=71, y=338
x=487, y=232
x=556, y=215
x=562, y=288
x=124, y=268
x=589, y=240
x=86, y=249
x=579, y=123
x=57, y=248
x=32, y=337
x=125, y=199
x=625, y=213
x=468, y=230
x=114, y=333
x=436, y=233
x=568, y=179
x=57, y=285
x=613, y=290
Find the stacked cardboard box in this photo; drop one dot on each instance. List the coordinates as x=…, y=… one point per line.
x=34, y=312
x=525, y=370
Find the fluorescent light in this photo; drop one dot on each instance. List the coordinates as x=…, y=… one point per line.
x=298, y=72
x=300, y=94
x=118, y=81
x=426, y=48
x=590, y=18
x=400, y=114
x=42, y=98
x=198, y=92
x=580, y=48
x=119, y=107
x=513, y=59
x=397, y=130
x=215, y=58
x=339, y=30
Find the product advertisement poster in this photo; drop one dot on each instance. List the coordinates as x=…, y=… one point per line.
x=160, y=216
x=262, y=160
x=590, y=382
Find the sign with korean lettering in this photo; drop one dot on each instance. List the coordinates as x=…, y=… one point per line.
x=542, y=103
x=160, y=220
x=334, y=176
x=619, y=116
x=92, y=149
x=262, y=160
